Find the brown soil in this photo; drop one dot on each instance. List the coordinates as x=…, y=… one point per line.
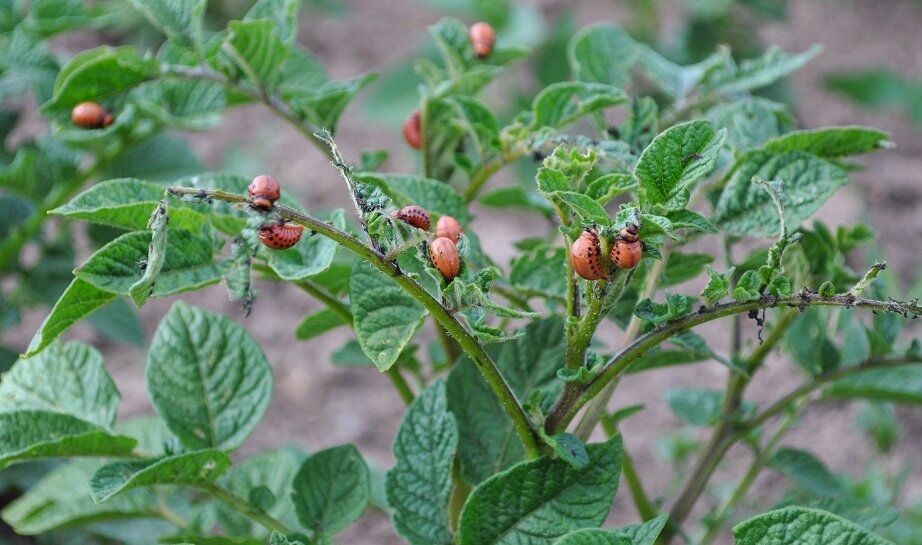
x=317, y=405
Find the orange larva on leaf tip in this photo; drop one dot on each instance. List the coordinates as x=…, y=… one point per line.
x=626, y=254
x=445, y=257
x=90, y=115
x=449, y=228
x=415, y=215
x=482, y=38
x=264, y=191
x=281, y=237
x=412, y=130
x=586, y=256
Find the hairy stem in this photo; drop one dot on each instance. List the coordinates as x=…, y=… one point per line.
x=443, y=316
x=343, y=311
x=565, y=410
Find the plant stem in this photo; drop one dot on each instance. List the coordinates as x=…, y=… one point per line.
x=443, y=316
x=244, y=508
x=566, y=409
x=642, y=503
x=449, y=346
x=272, y=102
x=340, y=308
x=597, y=408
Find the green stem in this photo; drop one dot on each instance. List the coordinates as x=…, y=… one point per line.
x=482, y=176
x=340, y=308
x=449, y=346
x=645, y=508
x=564, y=411
x=443, y=316
x=257, y=515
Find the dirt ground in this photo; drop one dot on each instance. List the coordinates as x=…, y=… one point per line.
x=317, y=405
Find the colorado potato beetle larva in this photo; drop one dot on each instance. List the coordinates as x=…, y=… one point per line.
x=281, y=237
x=445, y=257
x=586, y=256
x=415, y=216
x=412, y=131
x=264, y=191
x=449, y=228
x=482, y=38
x=627, y=250
x=90, y=115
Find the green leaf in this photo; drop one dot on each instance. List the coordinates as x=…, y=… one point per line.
x=419, y=487
x=831, y=142
x=435, y=196
x=180, y=20
x=542, y=499
x=588, y=210
x=747, y=209
x=385, y=317
x=560, y=104
x=32, y=435
x=322, y=106
x=67, y=378
x=98, y=74
x=258, y=50
x=311, y=256
x=899, y=385
x=750, y=122
x=183, y=104
x=717, y=287
x=79, y=300
x=529, y=364
x=539, y=271
x=161, y=157
x=460, y=295
x=142, y=288
x=699, y=407
x=117, y=322
x=641, y=534
x=747, y=288
x=188, y=469
x=674, y=80
x=283, y=12
x=188, y=264
x=802, y=526
x=570, y=449
x=682, y=267
x=318, y=323
x=273, y=471
x=752, y=74
x=607, y=187
x=674, y=161
x=207, y=378
x=686, y=219
x=807, y=471
x=602, y=53
x=62, y=498
x=331, y=490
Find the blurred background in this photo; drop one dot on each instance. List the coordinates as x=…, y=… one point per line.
x=870, y=73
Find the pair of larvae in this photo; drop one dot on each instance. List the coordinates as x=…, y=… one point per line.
x=587, y=259
x=443, y=251
x=482, y=37
x=264, y=191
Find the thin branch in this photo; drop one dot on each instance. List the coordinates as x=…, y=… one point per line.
x=443, y=316
x=565, y=410
x=244, y=508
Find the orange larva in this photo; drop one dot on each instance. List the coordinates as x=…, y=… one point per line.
x=412, y=129
x=415, y=216
x=445, y=257
x=264, y=191
x=586, y=257
x=90, y=115
x=627, y=250
x=449, y=228
x=482, y=38
x=281, y=237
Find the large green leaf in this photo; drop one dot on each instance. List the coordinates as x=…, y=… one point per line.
x=207, y=378
x=831, y=141
x=79, y=300
x=62, y=498
x=802, y=526
x=602, y=53
x=188, y=264
x=807, y=181
x=187, y=469
x=419, y=486
x=640, y=534
x=98, y=74
x=751, y=74
x=183, y=104
x=257, y=49
x=899, y=385
x=435, y=196
x=542, y=500
x=283, y=12
x=331, y=490
x=30, y=435
x=807, y=471
x=529, y=364
x=385, y=317
x=311, y=256
x=676, y=159
x=560, y=104
x=67, y=378
x=180, y=20
x=318, y=323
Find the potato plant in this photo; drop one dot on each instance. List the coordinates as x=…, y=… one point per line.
x=643, y=175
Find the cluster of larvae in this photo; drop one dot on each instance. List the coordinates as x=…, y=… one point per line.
x=443, y=251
